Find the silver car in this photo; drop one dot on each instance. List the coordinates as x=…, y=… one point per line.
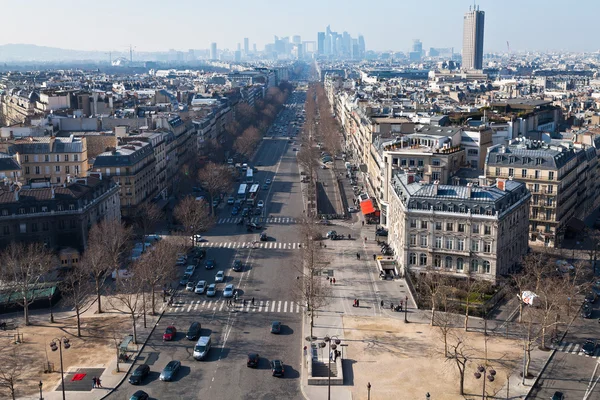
x=170, y=371
x=228, y=291
x=220, y=277
x=212, y=290
x=200, y=287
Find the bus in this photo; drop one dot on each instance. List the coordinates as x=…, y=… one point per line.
x=242, y=191
x=253, y=194
x=249, y=175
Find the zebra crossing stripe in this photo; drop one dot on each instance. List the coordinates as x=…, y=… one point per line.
x=260, y=307
x=279, y=306
x=196, y=306
x=285, y=307
x=297, y=308
x=273, y=306
x=190, y=307
x=222, y=304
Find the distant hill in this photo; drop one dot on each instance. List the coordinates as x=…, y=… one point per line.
x=30, y=52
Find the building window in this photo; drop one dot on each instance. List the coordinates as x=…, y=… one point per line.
x=44, y=209
x=413, y=223
x=32, y=210
x=497, y=171
x=460, y=244
x=461, y=227
x=459, y=264
x=487, y=247
x=45, y=226
x=537, y=174
x=423, y=259
x=21, y=211
x=413, y=240
x=438, y=226
x=26, y=158
x=57, y=168
x=472, y=152
x=6, y=230
x=67, y=169
x=486, y=267
x=411, y=163
x=72, y=223
x=435, y=176
x=412, y=259
x=403, y=162
x=423, y=241
x=449, y=243
x=511, y=172
x=436, y=162
x=59, y=207
x=5, y=212
x=61, y=224
x=438, y=242
x=475, y=228
x=487, y=230
x=475, y=245
x=71, y=206
x=76, y=169
x=550, y=188
x=37, y=170
x=423, y=224
x=107, y=172
x=47, y=158
x=75, y=157
x=23, y=228
x=550, y=175
x=66, y=157
x=57, y=157
x=523, y=173
x=437, y=261
x=47, y=170
x=448, y=263
x=34, y=227
x=474, y=266
x=118, y=171
x=26, y=170
x=450, y=227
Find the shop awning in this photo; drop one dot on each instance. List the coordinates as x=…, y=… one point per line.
x=367, y=207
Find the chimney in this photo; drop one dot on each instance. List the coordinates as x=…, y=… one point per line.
x=52, y=140
x=501, y=184
x=469, y=189
x=410, y=178
x=435, y=187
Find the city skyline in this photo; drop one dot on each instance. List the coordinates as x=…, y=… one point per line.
x=389, y=26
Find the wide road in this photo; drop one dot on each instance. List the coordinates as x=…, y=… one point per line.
x=269, y=275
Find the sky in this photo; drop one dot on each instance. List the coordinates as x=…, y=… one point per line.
x=159, y=25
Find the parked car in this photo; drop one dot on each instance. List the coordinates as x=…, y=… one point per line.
x=211, y=291
x=210, y=263
x=277, y=368
x=170, y=371
x=276, y=327
x=591, y=297
x=139, y=395
x=139, y=374
x=235, y=211
x=265, y=186
x=220, y=276
x=230, y=200
x=252, y=361
x=263, y=237
x=589, y=347
x=237, y=265
x=558, y=396
x=193, y=332
x=184, y=279
x=260, y=204
x=190, y=286
x=228, y=291
x=586, y=311
x=170, y=333
x=268, y=181
x=200, y=287
x=330, y=234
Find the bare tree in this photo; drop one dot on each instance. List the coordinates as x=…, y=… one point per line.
x=128, y=299
x=146, y=218
x=194, y=216
x=461, y=355
x=24, y=268
x=12, y=368
x=94, y=261
x=113, y=238
x=216, y=179
x=246, y=143
x=157, y=267
x=446, y=322
x=471, y=287
x=78, y=292
x=433, y=281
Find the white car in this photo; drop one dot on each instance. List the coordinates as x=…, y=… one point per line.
x=268, y=181
x=190, y=286
x=196, y=238
x=228, y=291
x=212, y=290
x=220, y=277
x=200, y=287
x=190, y=270
x=260, y=203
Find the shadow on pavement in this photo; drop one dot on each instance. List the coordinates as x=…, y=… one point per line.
x=348, y=368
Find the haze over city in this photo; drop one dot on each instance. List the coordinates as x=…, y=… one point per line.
x=153, y=25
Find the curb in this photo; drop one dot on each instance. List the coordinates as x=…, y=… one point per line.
x=138, y=353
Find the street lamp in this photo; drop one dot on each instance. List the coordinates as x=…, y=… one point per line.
x=51, y=314
x=427, y=396
x=54, y=346
x=40, y=385
x=330, y=346
x=369, y=391
x=481, y=372
x=406, y=310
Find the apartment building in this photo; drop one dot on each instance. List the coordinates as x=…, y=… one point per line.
x=49, y=158
x=58, y=216
x=158, y=140
x=556, y=176
x=133, y=167
x=457, y=230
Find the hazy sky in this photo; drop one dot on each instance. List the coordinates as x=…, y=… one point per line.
x=152, y=25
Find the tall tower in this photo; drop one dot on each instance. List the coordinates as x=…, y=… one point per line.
x=246, y=46
x=213, y=51
x=472, y=54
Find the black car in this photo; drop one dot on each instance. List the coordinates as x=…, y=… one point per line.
x=201, y=254
x=586, y=311
x=139, y=395
x=589, y=347
x=277, y=368
x=210, y=263
x=591, y=297
x=194, y=332
x=558, y=396
x=237, y=265
x=263, y=237
x=140, y=373
x=253, y=359
x=254, y=225
x=275, y=327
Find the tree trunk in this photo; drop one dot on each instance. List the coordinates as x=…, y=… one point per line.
x=26, y=310
x=153, y=300
x=98, y=296
x=467, y=314
x=462, y=382
x=134, y=328
x=432, y=310
x=312, y=323
x=520, y=311
x=527, y=359
x=78, y=315
x=144, y=307
x=543, y=338
x=446, y=344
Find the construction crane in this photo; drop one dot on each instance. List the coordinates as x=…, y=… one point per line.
x=508, y=47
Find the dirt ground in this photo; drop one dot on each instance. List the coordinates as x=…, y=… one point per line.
x=96, y=348
x=407, y=360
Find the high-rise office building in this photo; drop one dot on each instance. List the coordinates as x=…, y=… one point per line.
x=361, y=46
x=213, y=51
x=472, y=54
x=246, y=46
x=296, y=39
x=321, y=43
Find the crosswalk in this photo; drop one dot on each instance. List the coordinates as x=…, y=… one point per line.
x=575, y=348
x=251, y=245
x=259, y=220
x=270, y=306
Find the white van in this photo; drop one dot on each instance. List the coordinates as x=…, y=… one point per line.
x=202, y=347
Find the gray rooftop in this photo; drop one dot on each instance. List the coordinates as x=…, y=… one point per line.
x=526, y=155
x=46, y=145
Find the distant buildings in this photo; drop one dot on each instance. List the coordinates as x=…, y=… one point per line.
x=473, y=28
x=213, y=51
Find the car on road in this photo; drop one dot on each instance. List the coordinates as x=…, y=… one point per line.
x=211, y=291
x=258, y=211
x=589, y=347
x=200, y=287
x=139, y=395
x=230, y=200
x=220, y=276
x=558, y=396
x=330, y=234
x=253, y=359
x=235, y=211
x=202, y=347
x=254, y=225
x=210, y=263
x=170, y=333
x=170, y=371
x=139, y=374
x=228, y=291
x=586, y=311
x=263, y=237
x=352, y=210
x=276, y=327
x=193, y=332
x=190, y=269
x=260, y=204
x=245, y=212
x=184, y=279
x=268, y=181
x=190, y=286
x=237, y=265
x=265, y=186
x=196, y=238
x=277, y=368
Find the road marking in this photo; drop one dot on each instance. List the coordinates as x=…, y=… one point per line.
x=273, y=306
x=279, y=306
x=190, y=307
x=293, y=245
x=203, y=303
x=222, y=304
x=260, y=307
x=297, y=308
x=196, y=306
x=285, y=307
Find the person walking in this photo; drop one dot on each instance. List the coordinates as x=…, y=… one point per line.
x=374, y=257
x=365, y=239
x=381, y=303
x=94, y=384
x=363, y=223
x=391, y=306
x=334, y=281
x=253, y=301
x=98, y=383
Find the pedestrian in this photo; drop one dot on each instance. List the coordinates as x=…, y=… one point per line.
x=381, y=303
x=334, y=281
x=357, y=303
x=391, y=306
x=358, y=256
x=400, y=305
x=94, y=382
x=98, y=383
x=365, y=239
x=253, y=301
x=363, y=223
x=374, y=257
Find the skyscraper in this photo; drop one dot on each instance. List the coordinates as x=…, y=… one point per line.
x=472, y=54
x=321, y=43
x=213, y=51
x=246, y=46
